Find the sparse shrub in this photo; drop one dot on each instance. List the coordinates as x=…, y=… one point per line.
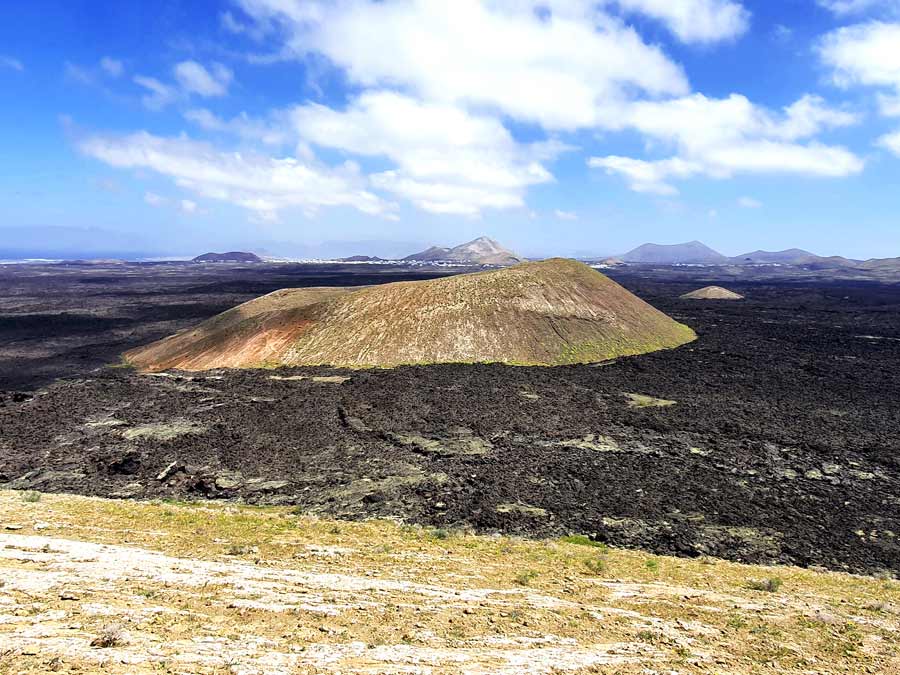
x=649, y=636
x=584, y=540
x=110, y=636
x=31, y=496
x=334, y=530
x=737, y=622
x=238, y=549
x=595, y=565
x=770, y=585
x=652, y=565
x=440, y=533
x=525, y=578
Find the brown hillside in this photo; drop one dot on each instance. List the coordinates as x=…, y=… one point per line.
x=712, y=293
x=545, y=313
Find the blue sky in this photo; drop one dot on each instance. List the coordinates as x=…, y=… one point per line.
x=557, y=126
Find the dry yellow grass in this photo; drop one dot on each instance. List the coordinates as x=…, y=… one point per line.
x=216, y=588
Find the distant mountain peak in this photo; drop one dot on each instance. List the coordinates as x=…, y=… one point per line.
x=672, y=254
x=480, y=251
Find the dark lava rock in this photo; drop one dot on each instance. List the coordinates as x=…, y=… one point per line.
x=782, y=445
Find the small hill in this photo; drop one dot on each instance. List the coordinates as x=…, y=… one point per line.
x=481, y=251
x=608, y=262
x=793, y=256
x=230, y=257
x=361, y=258
x=712, y=293
x=544, y=313
x=881, y=265
x=692, y=252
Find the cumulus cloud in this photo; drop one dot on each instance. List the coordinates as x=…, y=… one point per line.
x=448, y=160
x=891, y=142
x=194, y=78
x=694, y=20
x=868, y=54
x=749, y=203
x=864, y=54
x=261, y=184
x=719, y=138
x=567, y=70
x=11, y=63
x=565, y=215
x=647, y=176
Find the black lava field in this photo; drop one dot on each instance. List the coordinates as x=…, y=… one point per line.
x=782, y=444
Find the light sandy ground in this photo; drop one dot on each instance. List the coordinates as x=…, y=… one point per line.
x=224, y=589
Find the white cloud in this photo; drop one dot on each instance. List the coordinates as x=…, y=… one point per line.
x=891, y=142
x=447, y=160
x=647, y=176
x=159, y=95
x=565, y=215
x=11, y=63
x=865, y=54
x=889, y=106
x=275, y=132
x=567, y=71
x=154, y=199
x=844, y=7
x=868, y=54
x=194, y=78
x=721, y=137
x=695, y=20
x=263, y=185
x=190, y=78
x=112, y=67
x=749, y=203
x=187, y=206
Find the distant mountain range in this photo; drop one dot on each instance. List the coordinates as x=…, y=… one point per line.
x=481, y=251
x=695, y=252
x=231, y=256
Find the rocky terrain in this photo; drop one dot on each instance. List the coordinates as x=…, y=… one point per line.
x=772, y=438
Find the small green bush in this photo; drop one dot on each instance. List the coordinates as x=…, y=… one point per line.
x=525, y=578
x=595, y=565
x=31, y=496
x=770, y=585
x=583, y=540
